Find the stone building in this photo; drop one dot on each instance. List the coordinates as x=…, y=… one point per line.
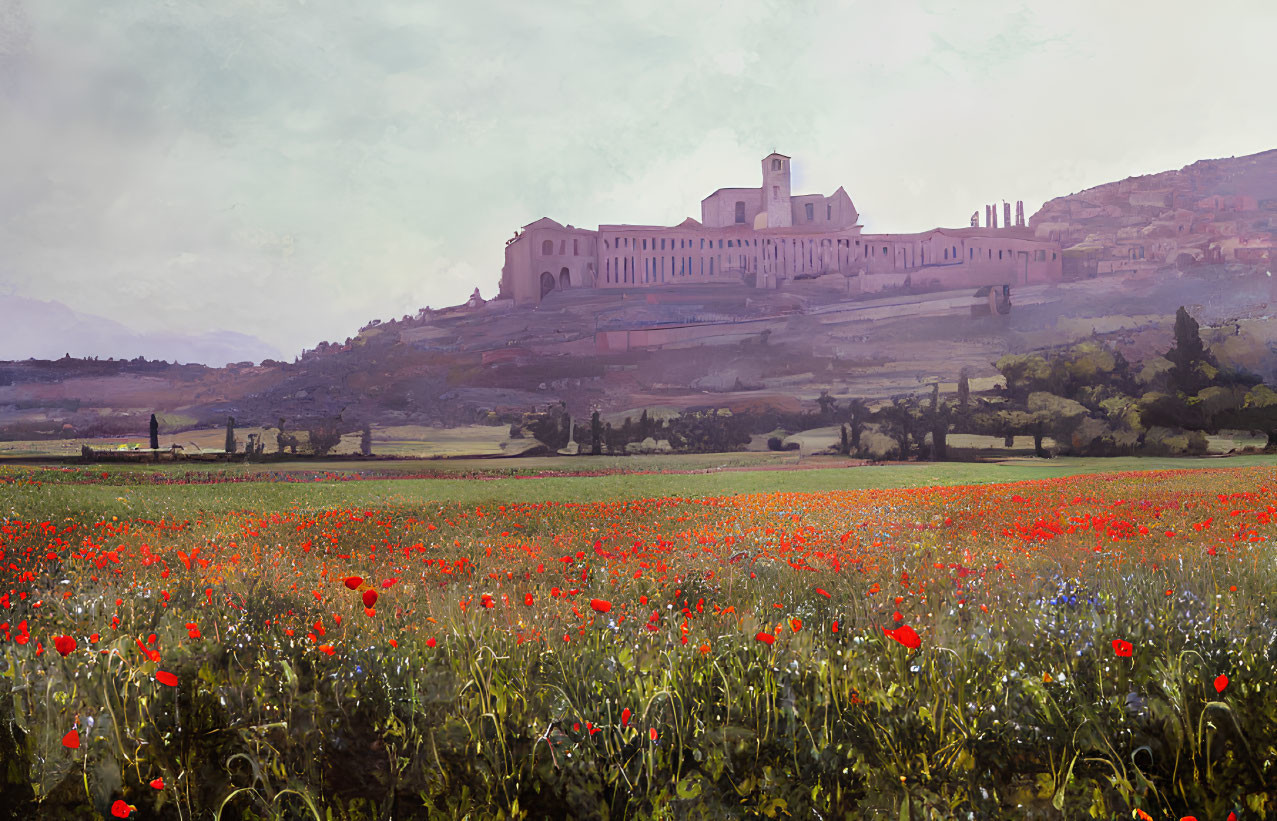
x=768, y=237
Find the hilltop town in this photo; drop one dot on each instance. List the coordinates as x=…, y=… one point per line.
x=797, y=301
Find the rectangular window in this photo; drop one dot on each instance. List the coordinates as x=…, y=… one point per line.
x=645, y=244
x=829, y=212
x=720, y=243
x=576, y=251
x=775, y=192
x=811, y=211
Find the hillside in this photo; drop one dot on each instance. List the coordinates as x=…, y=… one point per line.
x=1135, y=250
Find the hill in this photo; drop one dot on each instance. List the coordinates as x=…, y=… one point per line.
x=1135, y=250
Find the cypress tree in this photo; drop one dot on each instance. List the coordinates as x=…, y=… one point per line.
x=230, y=434
x=155, y=433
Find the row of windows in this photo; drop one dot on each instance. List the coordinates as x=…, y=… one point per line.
x=624, y=242
x=624, y=269
x=547, y=248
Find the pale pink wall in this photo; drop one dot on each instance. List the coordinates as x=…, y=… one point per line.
x=718, y=210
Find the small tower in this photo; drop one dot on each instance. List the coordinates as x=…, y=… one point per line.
x=776, y=191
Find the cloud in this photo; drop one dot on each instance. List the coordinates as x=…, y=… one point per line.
x=292, y=169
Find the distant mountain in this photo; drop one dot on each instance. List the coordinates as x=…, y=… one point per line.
x=38, y=329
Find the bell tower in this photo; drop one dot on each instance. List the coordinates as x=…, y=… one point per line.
x=775, y=191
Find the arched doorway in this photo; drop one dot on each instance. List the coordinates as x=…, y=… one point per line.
x=547, y=283
x=565, y=281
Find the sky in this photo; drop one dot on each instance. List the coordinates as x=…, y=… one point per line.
x=284, y=171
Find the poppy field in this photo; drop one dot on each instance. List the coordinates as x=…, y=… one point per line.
x=1092, y=646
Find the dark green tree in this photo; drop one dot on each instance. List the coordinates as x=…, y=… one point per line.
x=1193, y=367
x=899, y=420
x=230, y=434
x=857, y=417
x=155, y=433
x=596, y=434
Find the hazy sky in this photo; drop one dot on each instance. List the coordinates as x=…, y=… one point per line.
x=290, y=169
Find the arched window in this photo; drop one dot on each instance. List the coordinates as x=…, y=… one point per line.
x=547, y=283
x=565, y=280
x=547, y=248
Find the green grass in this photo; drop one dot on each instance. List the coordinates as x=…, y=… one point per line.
x=716, y=480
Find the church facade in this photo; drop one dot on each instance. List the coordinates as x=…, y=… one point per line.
x=767, y=237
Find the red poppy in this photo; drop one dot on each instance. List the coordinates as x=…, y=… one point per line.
x=64, y=645
x=1220, y=683
x=165, y=677
x=795, y=624
x=823, y=592
x=353, y=582
x=121, y=810
x=527, y=599
x=327, y=648
x=157, y=783
x=370, y=598
x=625, y=717
x=765, y=637
x=1123, y=649
x=600, y=605
x=651, y=733
x=430, y=642
x=71, y=740
x=905, y=635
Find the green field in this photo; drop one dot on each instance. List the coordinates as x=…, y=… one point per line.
x=489, y=482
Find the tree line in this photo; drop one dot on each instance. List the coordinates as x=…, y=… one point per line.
x=1086, y=398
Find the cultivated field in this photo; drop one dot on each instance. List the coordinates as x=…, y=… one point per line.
x=659, y=637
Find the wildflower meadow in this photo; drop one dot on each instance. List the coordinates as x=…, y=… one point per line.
x=1091, y=646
